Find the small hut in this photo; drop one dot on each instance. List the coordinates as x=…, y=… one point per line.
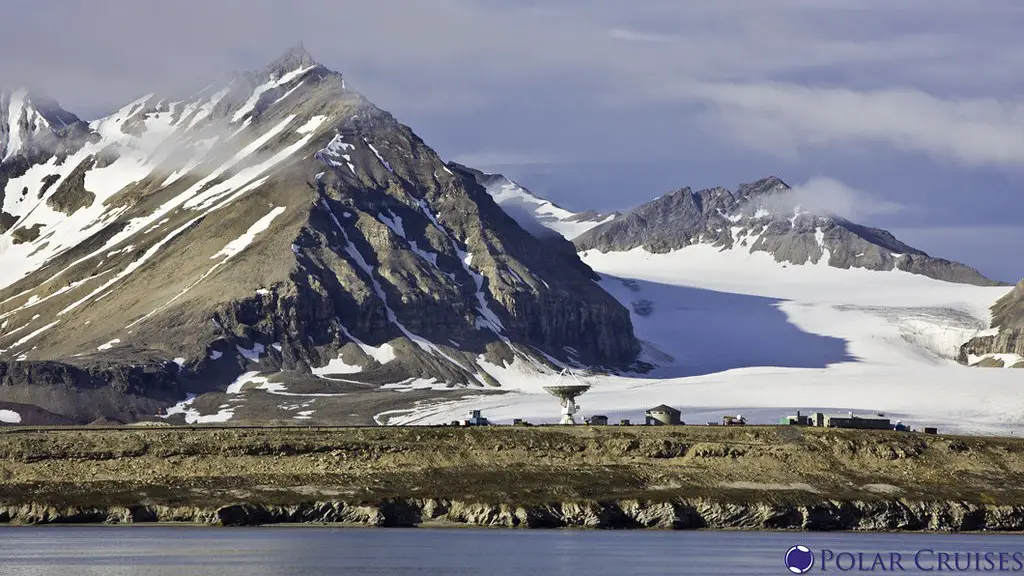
x=663, y=416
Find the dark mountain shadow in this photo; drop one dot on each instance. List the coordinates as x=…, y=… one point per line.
x=706, y=331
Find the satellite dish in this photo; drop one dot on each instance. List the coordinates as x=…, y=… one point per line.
x=567, y=393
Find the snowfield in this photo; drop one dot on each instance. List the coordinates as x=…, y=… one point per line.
x=738, y=333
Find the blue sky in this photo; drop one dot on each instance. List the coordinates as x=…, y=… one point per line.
x=905, y=114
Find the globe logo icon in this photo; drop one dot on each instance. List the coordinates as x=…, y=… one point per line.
x=799, y=559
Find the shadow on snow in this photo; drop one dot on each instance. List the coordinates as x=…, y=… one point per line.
x=706, y=331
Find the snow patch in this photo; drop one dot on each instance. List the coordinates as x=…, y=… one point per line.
x=192, y=416
x=236, y=246
x=236, y=386
x=337, y=366
x=311, y=125
x=108, y=345
x=335, y=151
x=250, y=104
x=253, y=354
x=394, y=222
x=10, y=417
x=379, y=157
x=26, y=339
x=1008, y=360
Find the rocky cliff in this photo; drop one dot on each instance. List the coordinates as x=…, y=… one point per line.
x=763, y=217
x=1004, y=347
x=279, y=221
x=597, y=477
x=683, y=514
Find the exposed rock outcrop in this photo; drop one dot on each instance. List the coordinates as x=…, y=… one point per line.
x=71, y=195
x=1005, y=348
x=826, y=515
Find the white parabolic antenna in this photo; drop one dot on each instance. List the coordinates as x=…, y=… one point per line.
x=567, y=393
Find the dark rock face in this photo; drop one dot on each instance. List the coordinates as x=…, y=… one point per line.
x=321, y=227
x=24, y=234
x=686, y=514
x=1008, y=318
x=750, y=218
x=77, y=394
x=6, y=221
x=71, y=195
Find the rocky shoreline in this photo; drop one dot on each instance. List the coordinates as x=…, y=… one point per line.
x=890, y=515
x=757, y=478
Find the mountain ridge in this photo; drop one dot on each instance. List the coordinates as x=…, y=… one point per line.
x=752, y=218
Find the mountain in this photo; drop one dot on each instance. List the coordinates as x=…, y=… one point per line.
x=1003, y=347
x=762, y=217
x=276, y=223
x=534, y=213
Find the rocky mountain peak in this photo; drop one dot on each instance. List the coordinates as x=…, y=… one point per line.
x=762, y=187
x=761, y=217
x=294, y=58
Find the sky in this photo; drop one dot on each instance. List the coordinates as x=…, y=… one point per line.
x=902, y=114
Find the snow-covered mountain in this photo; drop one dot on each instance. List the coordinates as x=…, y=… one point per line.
x=276, y=222
x=761, y=217
x=533, y=212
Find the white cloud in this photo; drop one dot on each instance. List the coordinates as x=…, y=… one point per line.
x=640, y=36
x=786, y=118
x=829, y=196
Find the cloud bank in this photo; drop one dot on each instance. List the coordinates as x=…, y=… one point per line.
x=831, y=197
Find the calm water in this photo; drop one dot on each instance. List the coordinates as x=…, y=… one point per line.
x=163, y=551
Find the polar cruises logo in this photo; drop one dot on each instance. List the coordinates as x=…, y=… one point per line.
x=799, y=559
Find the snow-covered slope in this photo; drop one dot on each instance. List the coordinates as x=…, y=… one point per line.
x=737, y=332
x=534, y=213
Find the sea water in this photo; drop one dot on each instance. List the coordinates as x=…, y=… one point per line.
x=281, y=551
